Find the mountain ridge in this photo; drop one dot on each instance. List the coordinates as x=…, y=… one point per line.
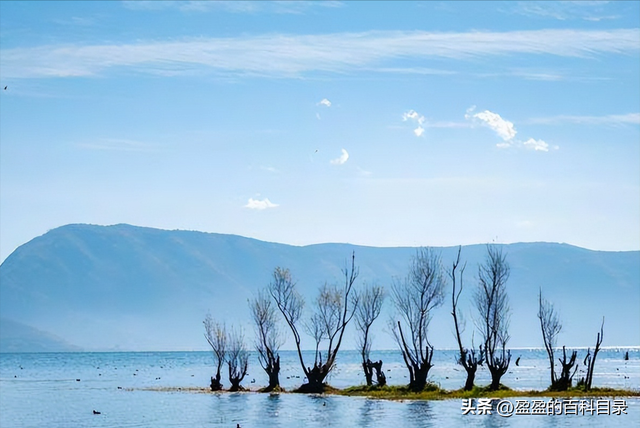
x=119, y=286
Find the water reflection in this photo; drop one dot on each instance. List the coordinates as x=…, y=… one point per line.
x=371, y=413
x=418, y=414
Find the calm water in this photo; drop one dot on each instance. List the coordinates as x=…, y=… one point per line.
x=38, y=390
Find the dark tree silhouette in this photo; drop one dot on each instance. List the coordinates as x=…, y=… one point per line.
x=334, y=308
x=269, y=337
x=551, y=326
x=467, y=358
x=367, y=311
x=216, y=335
x=492, y=303
x=237, y=359
x=415, y=297
x=590, y=360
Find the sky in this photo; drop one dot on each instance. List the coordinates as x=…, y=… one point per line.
x=370, y=123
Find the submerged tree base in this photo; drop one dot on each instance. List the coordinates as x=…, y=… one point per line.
x=276, y=388
x=323, y=388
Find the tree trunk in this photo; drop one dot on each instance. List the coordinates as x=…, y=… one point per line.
x=215, y=382
x=315, y=379
x=419, y=378
x=495, y=380
x=273, y=371
x=381, y=379
x=235, y=385
x=471, y=376
x=368, y=372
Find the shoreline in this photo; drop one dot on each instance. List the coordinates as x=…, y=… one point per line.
x=402, y=393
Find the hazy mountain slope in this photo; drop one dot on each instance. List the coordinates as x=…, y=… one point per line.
x=141, y=288
x=17, y=337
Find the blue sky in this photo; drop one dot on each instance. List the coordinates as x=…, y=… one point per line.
x=374, y=123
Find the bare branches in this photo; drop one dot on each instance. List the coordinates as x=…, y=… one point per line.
x=367, y=311
x=333, y=310
x=415, y=297
x=493, y=308
x=283, y=290
x=550, y=326
x=269, y=336
x=237, y=359
x=216, y=335
x=591, y=361
x=467, y=359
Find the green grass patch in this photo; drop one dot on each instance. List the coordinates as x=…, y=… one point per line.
x=434, y=392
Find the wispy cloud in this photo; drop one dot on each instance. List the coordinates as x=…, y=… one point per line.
x=611, y=119
x=293, y=55
x=116, y=144
x=324, y=102
x=414, y=70
x=447, y=124
x=344, y=157
x=256, y=204
x=563, y=10
x=236, y=6
x=414, y=116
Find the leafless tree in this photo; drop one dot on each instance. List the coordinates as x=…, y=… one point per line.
x=237, y=359
x=467, y=358
x=367, y=311
x=590, y=360
x=415, y=297
x=492, y=303
x=269, y=337
x=550, y=326
x=334, y=308
x=216, y=335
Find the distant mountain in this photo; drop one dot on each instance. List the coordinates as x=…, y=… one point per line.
x=135, y=288
x=17, y=337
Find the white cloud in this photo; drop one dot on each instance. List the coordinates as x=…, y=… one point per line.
x=256, y=204
x=325, y=102
x=415, y=117
x=502, y=127
x=281, y=55
x=612, y=119
x=505, y=130
x=342, y=159
x=537, y=145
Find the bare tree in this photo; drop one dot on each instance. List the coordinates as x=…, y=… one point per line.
x=269, y=337
x=367, y=311
x=415, y=297
x=333, y=310
x=237, y=359
x=216, y=335
x=492, y=303
x=590, y=361
x=467, y=358
x=551, y=326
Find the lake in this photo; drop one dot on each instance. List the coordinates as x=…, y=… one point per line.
x=159, y=389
